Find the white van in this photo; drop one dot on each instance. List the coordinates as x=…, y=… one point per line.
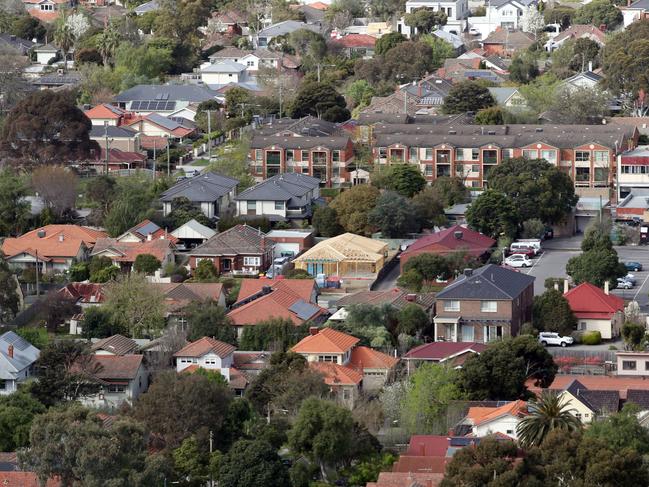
x=533, y=243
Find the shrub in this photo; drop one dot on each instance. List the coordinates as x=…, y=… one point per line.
x=591, y=338
x=612, y=347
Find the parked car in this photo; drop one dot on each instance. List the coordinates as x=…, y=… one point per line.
x=518, y=260
x=533, y=243
x=633, y=266
x=622, y=283
x=630, y=278
x=550, y=338
x=523, y=250
x=474, y=32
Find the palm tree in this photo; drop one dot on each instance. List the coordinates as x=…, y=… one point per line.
x=107, y=44
x=547, y=413
x=64, y=37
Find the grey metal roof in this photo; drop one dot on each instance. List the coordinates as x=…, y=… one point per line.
x=291, y=187
x=194, y=226
x=502, y=94
x=23, y=45
x=189, y=93
x=164, y=122
x=207, y=186
x=261, y=142
x=146, y=7
x=640, y=4
x=303, y=310
x=306, y=126
x=452, y=39
x=99, y=131
x=58, y=79
x=24, y=355
x=286, y=27
x=488, y=282
x=224, y=67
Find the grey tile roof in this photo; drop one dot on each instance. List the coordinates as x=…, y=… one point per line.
x=641, y=4
x=238, y=240
x=290, y=187
x=502, y=94
x=224, y=67
x=116, y=344
x=488, y=282
x=24, y=355
x=204, y=187
x=164, y=122
x=639, y=397
x=305, y=126
x=99, y=131
x=601, y=402
x=286, y=27
x=261, y=142
x=58, y=79
x=189, y=93
x=23, y=45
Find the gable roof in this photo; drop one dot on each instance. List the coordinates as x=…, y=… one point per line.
x=83, y=292
x=441, y=351
x=577, y=31
x=482, y=415
x=105, y=110
x=303, y=288
x=589, y=301
x=226, y=66
x=487, y=282
x=193, y=227
x=52, y=241
x=116, y=344
x=147, y=228
x=502, y=93
x=598, y=401
x=121, y=132
x=453, y=239
x=309, y=126
x=621, y=384
x=326, y=340
x=128, y=251
x=180, y=295
x=208, y=186
x=395, y=297
x=240, y=239
x=24, y=355
x=346, y=247
x=189, y=93
x=115, y=367
x=513, y=40
x=206, y=345
x=351, y=41
x=290, y=142
x=290, y=187
x=368, y=358
x=286, y=27
x=639, y=397
x=336, y=374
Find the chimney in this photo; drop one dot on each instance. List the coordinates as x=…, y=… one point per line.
x=590, y=66
x=149, y=237
x=556, y=286
x=606, y=288
x=10, y=351
x=468, y=272
x=61, y=238
x=566, y=288
x=313, y=330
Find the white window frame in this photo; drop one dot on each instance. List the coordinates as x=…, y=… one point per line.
x=488, y=306
x=452, y=305
x=252, y=261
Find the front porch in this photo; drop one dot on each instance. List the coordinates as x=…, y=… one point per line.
x=457, y=329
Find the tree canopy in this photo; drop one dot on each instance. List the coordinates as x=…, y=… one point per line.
x=552, y=312
x=353, y=206
x=321, y=100
x=208, y=319
x=252, y=462
x=467, y=96
x=394, y=215
x=405, y=179
x=494, y=214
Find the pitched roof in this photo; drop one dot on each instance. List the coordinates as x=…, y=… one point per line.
x=191, y=291
x=105, y=110
x=441, y=351
x=408, y=479
x=116, y=367
x=206, y=345
x=121, y=132
x=513, y=40
x=240, y=239
x=83, y=292
x=346, y=247
x=286, y=27
x=128, y=251
x=395, y=297
x=25, y=479
x=326, y=340
x=639, y=397
x=189, y=93
x=577, y=31
x=116, y=344
x=279, y=302
x=193, y=227
x=289, y=142
x=453, y=239
x=301, y=287
x=488, y=282
x=24, y=355
x=502, y=93
x=294, y=188
x=208, y=186
x=53, y=240
x=482, y=415
x=226, y=66
x=622, y=384
x=368, y=358
x=337, y=375
x=147, y=228
x=354, y=40
x=589, y=301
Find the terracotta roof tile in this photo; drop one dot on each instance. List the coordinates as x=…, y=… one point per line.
x=83, y=292
x=440, y=351
x=128, y=251
x=24, y=479
x=327, y=340
x=446, y=241
x=105, y=111
x=337, y=375
x=56, y=241
x=116, y=344
x=407, y=463
x=589, y=301
x=485, y=415
x=301, y=287
x=368, y=358
x=123, y=367
x=355, y=40
x=595, y=382
x=206, y=345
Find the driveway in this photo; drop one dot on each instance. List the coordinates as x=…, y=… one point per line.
x=388, y=281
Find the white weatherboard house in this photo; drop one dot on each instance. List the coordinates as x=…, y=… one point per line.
x=206, y=353
x=17, y=357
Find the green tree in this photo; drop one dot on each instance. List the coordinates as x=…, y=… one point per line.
x=191, y=461
x=98, y=322
x=275, y=334
x=441, y=50
x=490, y=116
x=552, y=312
x=430, y=266
x=107, y=43
x=388, y=41
x=64, y=37
x=17, y=411
x=412, y=319
x=208, y=319
x=432, y=387
x=146, y=264
x=252, y=462
x=451, y=190
x=27, y=27
x=537, y=189
x=621, y=430
x=14, y=210
x=467, y=96
x=394, y=215
x=547, y=413
x=533, y=228
x=597, y=237
x=205, y=271
x=128, y=209
x=424, y=20
x=586, y=51
x=599, y=12
x=101, y=190
x=493, y=213
x=539, y=94
x=580, y=105
x=500, y=372
x=376, y=326
x=634, y=335
x=523, y=69
x=9, y=300
x=596, y=266
x=624, y=57
x=79, y=272
x=353, y=206
x=321, y=100
x=405, y=179
x=325, y=222
x=561, y=14
x=360, y=92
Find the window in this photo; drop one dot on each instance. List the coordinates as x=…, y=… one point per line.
x=628, y=365
x=550, y=156
x=250, y=64
x=582, y=326
x=335, y=156
x=510, y=432
x=346, y=394
x=475, y=168
x=47, y=7
x=451, y=306
x=475, y=154
x=493, y=333
x=582, y=173
x=259, y=155
x=578, y=415
x=459, y=154
x=508, y=154
x=412, y=154
x=116, y=388
x=601, y=174
x=646, y=365
x=490, y=157
x=488, y=306
x=429, y=170
x=252, y=261
x=383, y=152
x=319, y=157
x=251, y=205
x=328, y=358
x=530, y=154
x=429, y=154
x=582, y=156
x=3, y=385
x=279, y=205
x=601, y=156
x=273, y=158
x=289, y=155
x=467, y=333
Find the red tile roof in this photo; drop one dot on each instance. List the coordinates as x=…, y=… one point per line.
x=355, y=40
x=83, y=292
x=302, y=287
x=446, y=241
x=57, y=241
x=410, y=479
x=337, y=375
x=24, y=479
x=578, y=31
x=407, y=463
x=119, y=156
x=481, y=415
x=42, y=15
x=440, y=351
x=327, y=340
x=204, y=346
x=595, y=382
x=318, y=5
x=128, y=251
x=588, y=301
x=428, y=445
x=368, y=358
x=105, y=111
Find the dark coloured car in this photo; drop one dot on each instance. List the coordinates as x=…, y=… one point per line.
x=633, y=266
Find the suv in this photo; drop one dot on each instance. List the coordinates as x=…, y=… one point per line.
x=551, y=338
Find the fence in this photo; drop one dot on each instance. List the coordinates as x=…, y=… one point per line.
x=584, y=362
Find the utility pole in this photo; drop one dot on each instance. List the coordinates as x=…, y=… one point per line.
x=209, y=135
x=280, y=96
x=211, y=450
x=154, y=159
x=107, y=148
x=168, y=159
x=38, y=287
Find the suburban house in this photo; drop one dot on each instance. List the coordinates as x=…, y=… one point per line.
x=107, y=114
x=266, y=35
x=116, y=345
x=223, y=72
x=378, y=368
x=124, y=253
x=162, y=99
x=263, y=299
x=145, y=231
x=239, y=250
x=508, y=97
x=588, y=404
x=289, y=243
x=120, y=378
x=46, y=11
x=587, y=153
x=24, y=46
x=252, y=60
x=115, y=160
x=17, y=358
x=638, y=10
x=504, y=42
x=229, y=22
x=212, y=193
x=453, y=354
x=191, y=234
x=596, y=309
x=156, y=125
x=328, y=159
x=583, y=79
x=283, y=197
x=396, y=298
x=633, y=181
x=13, y=478
x=574, y=32
x=455, y=239
x=503, y=14
x=483, y=305
x=456, y=13
x=345, y=255
x=112, y=137
x=632, y=363
x=355, y=45
x=503, y=420
x=179, y=295
x=53, y=247
x=84, y=294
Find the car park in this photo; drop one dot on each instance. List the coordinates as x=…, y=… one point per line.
x=551, y=338
x=518, y=260
x=529, y=251
x=624, y=284
x=630, y=278
x=633, y=266
x=533, y=243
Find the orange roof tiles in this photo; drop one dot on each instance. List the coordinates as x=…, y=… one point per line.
x=55, y=241
x=327, y=340
x=105, y=111
x=337, y=375
x=595, y=382
x=24, y=479
x=589, y=301
x=206, y=345
x=318, y=5
x=87, y=234
x=480, y=415
x=409, y=479
x=128, y=251
x=43, y=15
x=368, y=358
x=302, y=287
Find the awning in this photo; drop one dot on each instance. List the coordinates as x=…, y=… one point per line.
x=447, y=319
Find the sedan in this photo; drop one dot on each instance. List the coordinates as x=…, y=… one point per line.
x=623, y=283
x=630, y=278
x=633, y=266
x=518, y=260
